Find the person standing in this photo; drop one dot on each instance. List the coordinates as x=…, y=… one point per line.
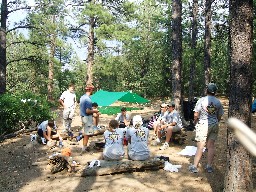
x=68, y=101
x=86, y=112
x=207, y=114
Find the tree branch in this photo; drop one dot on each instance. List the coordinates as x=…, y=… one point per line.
x=20, y=8
x=28, y=42
x=22, y=27
x=29, y=58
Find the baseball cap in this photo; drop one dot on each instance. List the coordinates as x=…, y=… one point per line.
x=89, y=87
x=163, y=105
x=172, y=104
x=211, y=88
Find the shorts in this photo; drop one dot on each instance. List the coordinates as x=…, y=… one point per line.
x=40, y=132
x=205, y=132
x=87, y=123
x=68, y=113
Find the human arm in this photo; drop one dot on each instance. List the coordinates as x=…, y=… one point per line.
x=91, y=111
x=196, y=117
x=48, y=135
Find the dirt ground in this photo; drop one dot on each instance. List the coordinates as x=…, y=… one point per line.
x=18, y=171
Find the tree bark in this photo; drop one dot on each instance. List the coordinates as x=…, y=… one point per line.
x=176, y=52
x=207, y=43
x=90, y=63
x=239, y=172
x=3, y=64
x=193, y=49
x=51, y=63
x=124, y=166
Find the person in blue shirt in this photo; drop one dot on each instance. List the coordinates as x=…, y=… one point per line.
x=86, y=113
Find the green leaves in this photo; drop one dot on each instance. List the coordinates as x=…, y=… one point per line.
x=18, y=110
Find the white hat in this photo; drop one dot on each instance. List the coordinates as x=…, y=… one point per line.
x=137, y=119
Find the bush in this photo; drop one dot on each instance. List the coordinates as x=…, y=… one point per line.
x=19, y=111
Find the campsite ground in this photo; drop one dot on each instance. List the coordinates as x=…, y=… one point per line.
x=18, y=171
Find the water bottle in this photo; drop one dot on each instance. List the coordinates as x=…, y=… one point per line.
x=60, y=143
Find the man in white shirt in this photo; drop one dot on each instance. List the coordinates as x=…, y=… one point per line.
x=172, y=124
x=68, y=101
x=207, y=114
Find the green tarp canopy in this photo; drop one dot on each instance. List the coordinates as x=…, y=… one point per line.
x=106, y=98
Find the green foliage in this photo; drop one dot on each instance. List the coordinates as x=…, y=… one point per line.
x=22, y=110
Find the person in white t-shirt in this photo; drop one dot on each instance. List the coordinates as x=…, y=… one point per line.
x=68, y=101
x=158, y=122
x=172, y=123
x=123, y=118
x=138, y=140
x=207, y=115
x=114, y=136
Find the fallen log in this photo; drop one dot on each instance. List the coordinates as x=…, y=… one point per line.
x=124, y=166
x=16, y=133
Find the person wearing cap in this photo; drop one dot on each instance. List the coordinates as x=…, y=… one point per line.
x=123, y=118
x=86, y=112
x=207, y=114
x=172, y=123
x=158, y=122
x=138, y=140
x=68, y=101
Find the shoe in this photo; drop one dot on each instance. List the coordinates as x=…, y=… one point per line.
x=209, y=169
x=158, y=140
x=192, y=169
x=43, y=141
x=164, y=146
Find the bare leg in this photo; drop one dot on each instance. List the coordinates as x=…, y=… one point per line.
x=85, y=140
x=211, y=150
x=168, y=134
x=199, y=152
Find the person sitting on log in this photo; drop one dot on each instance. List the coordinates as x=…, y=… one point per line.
x=158, y=122
x=114, y=137
x=123, y=118
x=138, y=140
x=172, y=124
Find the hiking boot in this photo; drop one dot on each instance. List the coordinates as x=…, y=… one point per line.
x=192, y=169
x=164, y=146
x=209, y=169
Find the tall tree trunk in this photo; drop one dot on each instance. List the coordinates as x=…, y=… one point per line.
x=238, y=173
x=207, y=42
x=176, y=52
x=51, y=63
x=3, y=64
x=90, y=59
x=193, y=48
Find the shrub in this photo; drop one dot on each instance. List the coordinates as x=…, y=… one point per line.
x=19, y=111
